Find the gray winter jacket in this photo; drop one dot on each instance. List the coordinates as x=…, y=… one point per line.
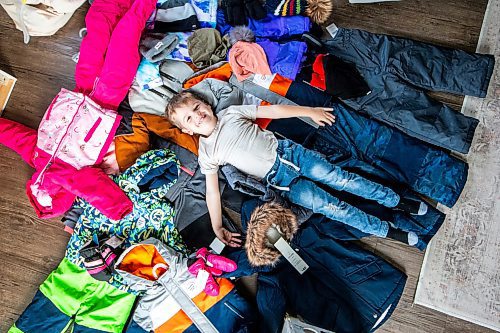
x=173, y=300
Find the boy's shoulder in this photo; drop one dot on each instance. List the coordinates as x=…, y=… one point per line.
x=239, y=110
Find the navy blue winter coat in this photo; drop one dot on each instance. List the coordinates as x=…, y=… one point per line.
x=345, y=289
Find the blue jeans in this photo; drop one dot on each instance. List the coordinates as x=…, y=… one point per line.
x=297, y=168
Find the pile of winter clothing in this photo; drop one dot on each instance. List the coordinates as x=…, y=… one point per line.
x=78, y=128
x=133, y=195
x=171, y=297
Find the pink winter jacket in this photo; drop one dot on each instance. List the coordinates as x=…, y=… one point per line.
x=74, y=135
x=78, y=127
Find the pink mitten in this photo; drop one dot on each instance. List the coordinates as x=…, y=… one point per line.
x=211, y=286
x=214, y=265
x=216, y=262
x=195, y=268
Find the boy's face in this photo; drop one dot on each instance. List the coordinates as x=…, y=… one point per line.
x=196, y=117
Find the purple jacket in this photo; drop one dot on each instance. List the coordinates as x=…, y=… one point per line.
x=284, y=57
x=274, y=34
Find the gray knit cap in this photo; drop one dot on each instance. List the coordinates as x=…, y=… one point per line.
x=156, y=46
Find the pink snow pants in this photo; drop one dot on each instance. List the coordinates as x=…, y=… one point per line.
x=109, y=54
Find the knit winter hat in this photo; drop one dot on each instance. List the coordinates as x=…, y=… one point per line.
x=317, y=10
x=176, y=16
x=157, y=46
x=286, y=7
x=247, y=59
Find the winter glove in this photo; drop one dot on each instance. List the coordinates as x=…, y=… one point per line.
x=214, y=265
x=254, y=9
x=234, y=11
x=211, y=286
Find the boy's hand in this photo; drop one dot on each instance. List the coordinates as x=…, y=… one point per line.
x=322, y=116
x=229, y=238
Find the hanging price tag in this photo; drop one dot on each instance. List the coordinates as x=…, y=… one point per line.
x=293, y=257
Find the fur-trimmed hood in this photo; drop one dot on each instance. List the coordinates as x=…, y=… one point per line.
x=259, y=250
x=319, y=10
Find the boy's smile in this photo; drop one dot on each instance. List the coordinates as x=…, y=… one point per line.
x=196, y=117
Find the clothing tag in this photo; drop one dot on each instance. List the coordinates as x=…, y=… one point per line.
x=332, y=30
x=293, y=257
x=263, y=80
x=201, y=279
x=114, y=242
x=217, y=246
x=158, y=45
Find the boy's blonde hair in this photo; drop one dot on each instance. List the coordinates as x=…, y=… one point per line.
x=259, y=251
x=179, y=100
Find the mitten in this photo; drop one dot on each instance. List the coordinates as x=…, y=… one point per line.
x=234, y=11
x=216, y=262
x=214, y=265
x=211, y=286
x=254, y=9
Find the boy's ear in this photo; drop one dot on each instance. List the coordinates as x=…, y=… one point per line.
x=187, y=131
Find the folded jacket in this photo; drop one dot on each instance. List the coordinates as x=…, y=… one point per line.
x=206, y=47
x=176, y=16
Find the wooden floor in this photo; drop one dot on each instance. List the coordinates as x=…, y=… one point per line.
x=30, y=248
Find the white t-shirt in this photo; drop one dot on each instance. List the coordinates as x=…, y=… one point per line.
x=236, y=140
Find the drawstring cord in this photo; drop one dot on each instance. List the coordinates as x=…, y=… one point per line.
x=282, y=188
x=21, y=4
x=81, y=34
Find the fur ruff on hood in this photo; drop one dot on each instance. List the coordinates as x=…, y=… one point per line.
x=319, y=10
x=259, y=251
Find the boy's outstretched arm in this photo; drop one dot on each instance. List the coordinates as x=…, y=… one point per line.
x=215, y=211
x=321, y=116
